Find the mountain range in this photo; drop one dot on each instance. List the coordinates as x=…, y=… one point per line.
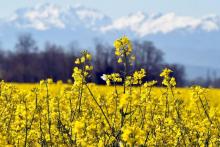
x=191, y=41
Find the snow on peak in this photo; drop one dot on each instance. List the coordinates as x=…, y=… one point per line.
x=85, y=13
x=143, y=25
x=132, y=21
x=43, y=17
x=90, y=18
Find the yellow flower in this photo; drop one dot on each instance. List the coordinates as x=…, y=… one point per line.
x=115, y=77
x=133, y=135
x=123, y=100
x=59, y=82
x=117, y=44
x=123, y=46
x=108, y=82
x=50, y=81
x=88, y=56
x=83, y=59
x=42, y=82
x=77, y=61
x=166, y=72
x=173, y=81
x=87, y=67
x=119, y=60
x=78, y=126
x=91, y=67
x=117, y=53
x=138, y=76
x=165, y=82
x=125, y=40
x=150, y=84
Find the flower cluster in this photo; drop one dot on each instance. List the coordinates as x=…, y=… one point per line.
x=138, y=76
x=114, y=77
x=123, y=49
x=167, y=80
x=81, y=72
x=84, y=58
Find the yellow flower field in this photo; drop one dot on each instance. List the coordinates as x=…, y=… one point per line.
x=139, y=118
x=84, y=114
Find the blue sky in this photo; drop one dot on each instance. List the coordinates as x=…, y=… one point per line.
x=116, y=8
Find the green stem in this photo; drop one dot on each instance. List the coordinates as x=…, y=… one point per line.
x=206, y=113
x=125, y=70
x=99, y=106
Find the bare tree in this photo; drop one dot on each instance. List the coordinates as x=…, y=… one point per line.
x=26, y=44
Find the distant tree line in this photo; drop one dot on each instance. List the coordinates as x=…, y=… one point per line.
x=211, y=80
x=28, y=63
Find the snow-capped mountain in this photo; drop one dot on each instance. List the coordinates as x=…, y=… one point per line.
x=44, y=17
x=144, y=25
x=184, y=39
